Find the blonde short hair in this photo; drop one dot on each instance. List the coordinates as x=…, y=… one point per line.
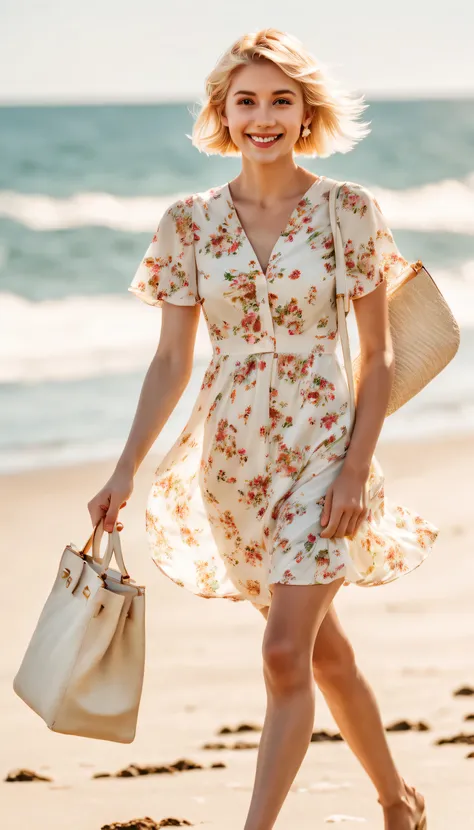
x=334, y=126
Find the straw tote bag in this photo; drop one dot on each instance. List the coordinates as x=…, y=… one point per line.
x=84, y=666
x=425, y=335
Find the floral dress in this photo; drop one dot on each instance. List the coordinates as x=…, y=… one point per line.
x=236, y=501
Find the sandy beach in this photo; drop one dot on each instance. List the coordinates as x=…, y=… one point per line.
x=413, y=639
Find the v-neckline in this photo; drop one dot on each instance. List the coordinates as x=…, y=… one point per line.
x=282, y=232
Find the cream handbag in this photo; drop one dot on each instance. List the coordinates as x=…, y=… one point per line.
x=425, y=335
x=83, y=669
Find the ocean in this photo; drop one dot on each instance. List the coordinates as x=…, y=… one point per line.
x=81, y=192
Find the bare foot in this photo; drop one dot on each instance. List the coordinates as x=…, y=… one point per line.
x=406, y=813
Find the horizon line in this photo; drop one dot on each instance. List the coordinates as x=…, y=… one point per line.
x=375, y=95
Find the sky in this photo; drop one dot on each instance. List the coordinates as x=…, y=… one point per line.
x=151, y=50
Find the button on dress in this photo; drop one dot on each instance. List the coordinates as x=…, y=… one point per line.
x=236, y=501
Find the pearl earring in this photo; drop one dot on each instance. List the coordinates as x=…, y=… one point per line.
x=305, y=132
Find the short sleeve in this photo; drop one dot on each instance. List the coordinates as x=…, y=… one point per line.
x=168, y=269
x=370, y=252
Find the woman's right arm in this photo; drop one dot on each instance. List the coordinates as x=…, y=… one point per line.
x=165, y=381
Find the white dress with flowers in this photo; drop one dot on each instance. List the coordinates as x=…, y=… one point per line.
x=235, y=504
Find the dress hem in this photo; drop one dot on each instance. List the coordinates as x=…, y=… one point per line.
x=391, y=577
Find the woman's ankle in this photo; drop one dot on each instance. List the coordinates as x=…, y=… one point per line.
x=408, y=799
x=396, y=796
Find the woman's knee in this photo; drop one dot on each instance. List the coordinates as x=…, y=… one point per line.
x=333, y=661
x=286, y=666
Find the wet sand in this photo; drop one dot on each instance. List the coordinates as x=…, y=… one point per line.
x=414, y=640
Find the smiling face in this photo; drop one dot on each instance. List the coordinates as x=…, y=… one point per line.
x=264, y=111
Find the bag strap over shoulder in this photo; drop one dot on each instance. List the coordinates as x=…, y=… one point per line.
x=343, y=302
x=341, y=280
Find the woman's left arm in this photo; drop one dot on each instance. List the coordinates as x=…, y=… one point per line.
x=372, y=260
x=343, y=506
x=376, y=378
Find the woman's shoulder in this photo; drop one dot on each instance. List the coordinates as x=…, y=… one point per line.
x=357, y=198
x=201, y=198
x=184, y=216
x=204, y=198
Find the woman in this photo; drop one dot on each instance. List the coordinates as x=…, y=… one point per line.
x=260, y=498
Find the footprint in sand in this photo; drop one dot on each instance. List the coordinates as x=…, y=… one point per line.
x=134, y=770
x=406, y=726
x=456, y=739
x=236, y=745
x=241, y=727
x=146, y=823
x=322, y=735
x=25, y=775
x=316, y=737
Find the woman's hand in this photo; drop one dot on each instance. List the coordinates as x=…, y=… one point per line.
x=111, y=499
x=343, y=510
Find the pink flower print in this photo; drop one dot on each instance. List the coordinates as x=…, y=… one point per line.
x=332, y=574
x=251, y=320
x=295, y=274
x=348, y=254
x=216, y=241
x=253, y=554
x=329, y=419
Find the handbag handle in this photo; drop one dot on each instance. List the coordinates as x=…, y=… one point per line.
x=114, y=545
x=343, y=305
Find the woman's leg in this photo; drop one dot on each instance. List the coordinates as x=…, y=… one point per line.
x=355, y=710
x=354, y=707
x=295, y=617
